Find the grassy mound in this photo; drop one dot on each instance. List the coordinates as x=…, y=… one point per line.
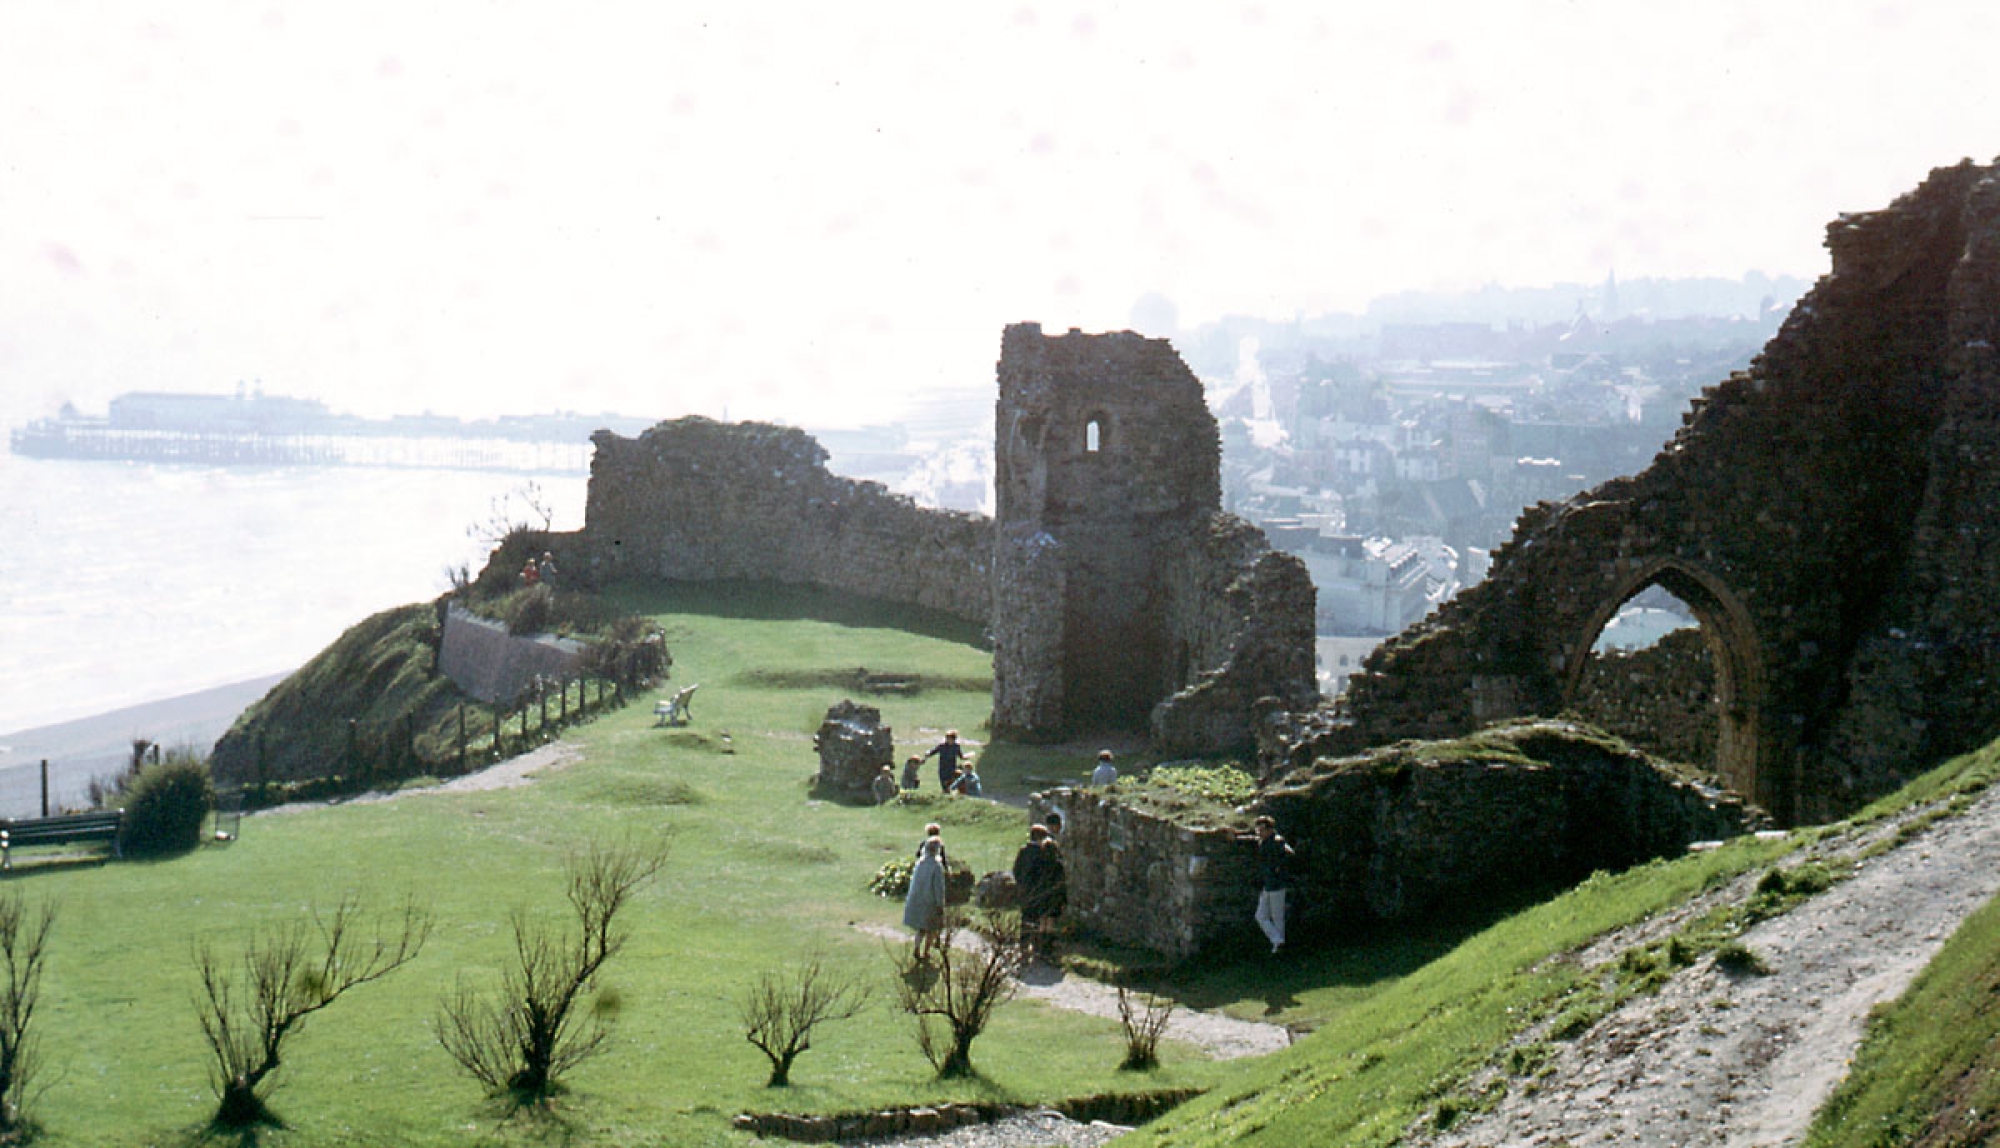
x=379, y=676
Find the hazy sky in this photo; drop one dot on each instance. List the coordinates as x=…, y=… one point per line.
x=792, y=208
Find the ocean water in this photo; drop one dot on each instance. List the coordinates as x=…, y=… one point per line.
x=123, y=583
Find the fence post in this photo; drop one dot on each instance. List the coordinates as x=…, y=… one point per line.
x=45, y=787
x=461, y=737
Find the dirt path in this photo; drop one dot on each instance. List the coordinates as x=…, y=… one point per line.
x=1742, y=1060
x=1222, y=1036
x=514, y=771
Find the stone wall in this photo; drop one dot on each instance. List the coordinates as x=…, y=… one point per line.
x=1661, y=698
x=697, y=500
x=1831, y=515
x=486, y=662
x=1123, y=598
x=1389, y=835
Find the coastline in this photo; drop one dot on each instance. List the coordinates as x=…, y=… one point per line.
x=85, y=748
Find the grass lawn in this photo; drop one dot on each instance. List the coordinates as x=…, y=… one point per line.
x=757, y=874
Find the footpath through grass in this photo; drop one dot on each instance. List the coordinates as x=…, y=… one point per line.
x=757, y=874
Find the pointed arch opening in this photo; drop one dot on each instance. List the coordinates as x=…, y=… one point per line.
x=1670, y=662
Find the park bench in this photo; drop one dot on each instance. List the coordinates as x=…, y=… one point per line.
x=103, y=825
x=677, y=710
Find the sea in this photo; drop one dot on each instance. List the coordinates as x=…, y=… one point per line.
x=124, y=585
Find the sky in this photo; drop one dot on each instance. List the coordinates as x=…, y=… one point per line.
x=818, y=212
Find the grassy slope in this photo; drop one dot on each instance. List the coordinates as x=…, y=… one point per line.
x=1398, y=1054
x=756, y=873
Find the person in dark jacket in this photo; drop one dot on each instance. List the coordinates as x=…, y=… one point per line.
x=949, y=754
x=1274, y=873
x=1043, y=885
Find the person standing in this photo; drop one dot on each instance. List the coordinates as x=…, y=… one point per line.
x=1274, y=872
x=910, y=777
x=1044, y=887
x=923, y=906
x=949, y=753
x=1106, y=773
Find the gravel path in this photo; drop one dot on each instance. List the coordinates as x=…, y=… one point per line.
x=1222, y=1036
x=1722, y=1060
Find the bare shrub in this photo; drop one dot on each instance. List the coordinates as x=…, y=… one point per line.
x=952, y=994
x=249, y=1011
x=24, y=946
x=523, y=1038
x=1143, y=1018
x=780, y=1011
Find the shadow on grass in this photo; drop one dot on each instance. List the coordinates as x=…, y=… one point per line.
x=536, y=1117
x=772, y=601
x=1243, y=970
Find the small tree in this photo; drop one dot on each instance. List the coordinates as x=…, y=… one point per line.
x=1143, y=1022
x=953, y=994
x=286, y=975
x=523, y=1040
x=781, y=1010
x=24, y=942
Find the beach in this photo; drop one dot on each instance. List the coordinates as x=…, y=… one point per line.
x=99, y=746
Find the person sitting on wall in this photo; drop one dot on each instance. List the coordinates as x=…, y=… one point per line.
x=1106, y=773
x=949, y=754
x=884, y=786
x=910, y=779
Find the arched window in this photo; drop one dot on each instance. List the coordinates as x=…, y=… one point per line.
x=1094, y=434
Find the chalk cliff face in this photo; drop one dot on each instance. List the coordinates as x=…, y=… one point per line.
x=1832, y=515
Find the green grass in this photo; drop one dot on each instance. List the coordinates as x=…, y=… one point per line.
x=1929, y=1067
x=757, y=873
x=1399, y=1052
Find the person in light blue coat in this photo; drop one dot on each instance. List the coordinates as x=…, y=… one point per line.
x=923, y=908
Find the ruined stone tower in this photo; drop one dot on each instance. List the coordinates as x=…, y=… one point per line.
x=1121, y=593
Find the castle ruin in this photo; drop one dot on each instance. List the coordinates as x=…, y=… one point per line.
x=1118, y=596
x=1831, y=515
x=1124, y=599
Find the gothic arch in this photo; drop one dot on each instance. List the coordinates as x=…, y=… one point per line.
x=1740, y=686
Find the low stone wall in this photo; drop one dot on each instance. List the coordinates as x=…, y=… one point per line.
x=697, y=500
x=1388, y=835
x=1126, y=1108
x=1140, y=879
x=483, y=660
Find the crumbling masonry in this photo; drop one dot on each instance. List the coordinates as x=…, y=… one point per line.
x=1117, y=594
x=1832, y=516
x=1123, y=597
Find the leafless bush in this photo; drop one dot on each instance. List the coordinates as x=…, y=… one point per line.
x=248, y=1012
x=522, y=1039
x=952, y=994
x=1143, y=1019
x=781, y=1009
x=24, y=946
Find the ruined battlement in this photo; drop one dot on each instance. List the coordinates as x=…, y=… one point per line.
x=697, y=500
x=1831, y=515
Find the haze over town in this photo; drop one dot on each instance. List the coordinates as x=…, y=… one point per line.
x=775, y=210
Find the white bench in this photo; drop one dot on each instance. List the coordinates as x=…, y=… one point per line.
x=677, y=710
